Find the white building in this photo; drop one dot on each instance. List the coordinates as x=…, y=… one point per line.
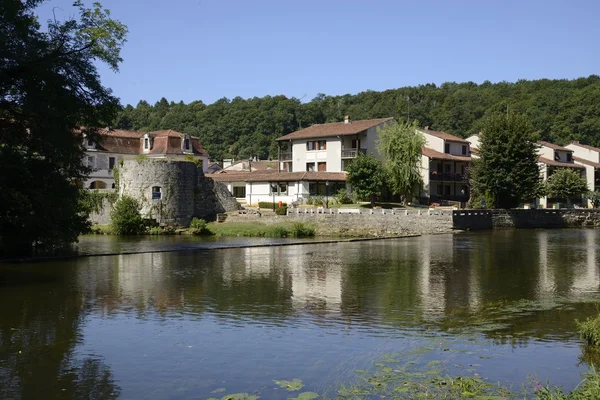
x=114, y=144
x=589, y=158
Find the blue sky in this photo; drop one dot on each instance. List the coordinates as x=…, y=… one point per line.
x=205, y=50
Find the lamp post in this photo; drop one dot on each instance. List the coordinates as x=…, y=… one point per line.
x=273, y=189
x=326, y=194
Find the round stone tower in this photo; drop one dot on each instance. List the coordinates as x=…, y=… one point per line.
x=164, y=188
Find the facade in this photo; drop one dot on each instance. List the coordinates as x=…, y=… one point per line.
x=551, y=157
x=589, y=158
x=445, y=161
x=104, y=155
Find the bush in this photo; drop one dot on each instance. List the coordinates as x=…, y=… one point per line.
x=156, y=230
x=100, y=229
x=343, y=197
x=281, y=211
x=589, y=330
x=126, y=218
x=197, y=226
x=268, y=204
x=301, y=230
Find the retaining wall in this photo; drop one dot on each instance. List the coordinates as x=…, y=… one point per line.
x=502, y=219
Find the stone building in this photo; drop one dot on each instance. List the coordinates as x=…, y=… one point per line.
x=173, y=191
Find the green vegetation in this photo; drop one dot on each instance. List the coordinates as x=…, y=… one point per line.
x=560, y=110
x=197, y=226
x=343, y=197
x=366, y=176
x=507, y=170
x=565, y=184
x=269, y=205
x=589, y=330
x=253, y=229
x=594, y=197
x=92, y=199
x=50, y=89
x=400, y=144
x=126, y=217
x=281, y=210
x=101, y=229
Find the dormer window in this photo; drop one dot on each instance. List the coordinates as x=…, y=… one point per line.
x=464, y=150
x=186, y=143
x=569, y=157
x=447, y=148
x=556, y=156
x=90, y=143
x=147, y=143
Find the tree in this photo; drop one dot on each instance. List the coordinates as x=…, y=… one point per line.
x=49, y=89
x=507, y=169
x=366, y=176
x=566, y=184
x=594, y=197
x=400, y=144
x=126, y=218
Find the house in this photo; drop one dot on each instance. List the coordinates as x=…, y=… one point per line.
x=551, y=157
x=329, y=147
x=588, y=157
x=445, y=160
x=104, y=155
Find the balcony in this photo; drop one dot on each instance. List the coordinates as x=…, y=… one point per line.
x=352, y=153
x=445, y=177
x=287, y=156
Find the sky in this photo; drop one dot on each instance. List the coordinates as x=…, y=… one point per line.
x=205, y=50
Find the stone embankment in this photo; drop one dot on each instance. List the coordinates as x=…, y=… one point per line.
x=503, y=219
x=362, y=222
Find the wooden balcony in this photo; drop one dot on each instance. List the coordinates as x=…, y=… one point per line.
x=352, y=153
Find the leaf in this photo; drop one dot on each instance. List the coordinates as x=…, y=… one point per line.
x=305, y=396
x=290, y=386
x=239, y=396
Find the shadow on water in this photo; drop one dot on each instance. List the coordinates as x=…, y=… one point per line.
x=185, y=324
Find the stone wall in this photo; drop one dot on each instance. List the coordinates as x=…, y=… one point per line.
x=102, y=216
x=502, y=219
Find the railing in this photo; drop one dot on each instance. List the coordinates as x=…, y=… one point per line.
x=287, y=156
x=448, y=177
x=352, y=153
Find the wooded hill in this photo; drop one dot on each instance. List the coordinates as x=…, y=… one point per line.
x=561, y=111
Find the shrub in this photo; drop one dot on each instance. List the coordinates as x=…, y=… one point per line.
x=301, y=230
x=126, y=218
x=156, y=230
x=281, y=211
x=589, y=330
x=197, y=226
x=268, y=204
x=343, y=197
x=100, y=229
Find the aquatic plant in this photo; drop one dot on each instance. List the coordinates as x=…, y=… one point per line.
x=290, y=386
x=589, y=330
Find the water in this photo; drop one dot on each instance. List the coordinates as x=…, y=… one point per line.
x=203, y=323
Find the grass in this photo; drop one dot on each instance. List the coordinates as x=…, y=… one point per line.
x=589, y=331
x=255, y=229
x=101, y=229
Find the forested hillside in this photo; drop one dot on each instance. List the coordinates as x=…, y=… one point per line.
x=561, y=110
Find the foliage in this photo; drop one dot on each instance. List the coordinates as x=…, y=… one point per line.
x=507, y=168
x=565, y=184
x=252, y=229
x=126, y=217
x=270, y=205
x=315, y=201
x=290, y=386
x=366, y=176
x=588, y=389
x=343, y=197
x=400, y=144
x=91, y=200
x=589, y=330
x=49, y=89
x=101, y=229
x=281, y=210
x=300, y=230
x=594, y=197
x=561, y=110
x=197, y=226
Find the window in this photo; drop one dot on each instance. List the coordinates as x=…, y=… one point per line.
x=90, y=143
x=447, y=190
x=447, y=148
x=569, y=157
x=283, y=187
x=146, y=143
x=310, y=167
x=322, y=166
x=111, y=162
x=356, y=143
x=316, y=145
x=556, y=156
x=447, y=168
x=439, y=190
x=156, y=193
x=239, y=191
x=464, y=150
x=186, y=144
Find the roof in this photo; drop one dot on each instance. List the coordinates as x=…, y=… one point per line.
x=474, y=151
x=553, y=163
x=586, y=146
x=553, y=146
x=274, y=176
x=427, y=152
x=335, y=129
x=119, y=144
x=170, y=144
x=243, y=165
x=586, y=162
x=444, y=135
x=168, y=132
x=120, y=133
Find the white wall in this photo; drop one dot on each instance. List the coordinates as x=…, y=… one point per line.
x=474, y=140
x=456, y=148
x=333, y=155
x=585, y=153
x=425, y=176
x=433, y=142
x=299, y=156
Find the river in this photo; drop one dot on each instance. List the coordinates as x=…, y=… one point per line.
x=202, y=322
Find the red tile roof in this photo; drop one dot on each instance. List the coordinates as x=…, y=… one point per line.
x=335, y=129
x=553, y=146
x=436, y=155
x=445, y=136
x=553, y=163
x=274, y=176
x=119, y=144
x=586, y=162
x=586, y=146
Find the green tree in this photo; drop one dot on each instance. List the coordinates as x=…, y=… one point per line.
x=366, y=176
x=507, y=168
x=566, y=184
x=126, y=218
x=594, y=197
x=49, y=89
x=400, y=144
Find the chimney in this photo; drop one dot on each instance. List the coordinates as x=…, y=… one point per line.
x=346, y=119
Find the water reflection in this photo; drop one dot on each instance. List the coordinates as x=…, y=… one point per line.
x=64, y=325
